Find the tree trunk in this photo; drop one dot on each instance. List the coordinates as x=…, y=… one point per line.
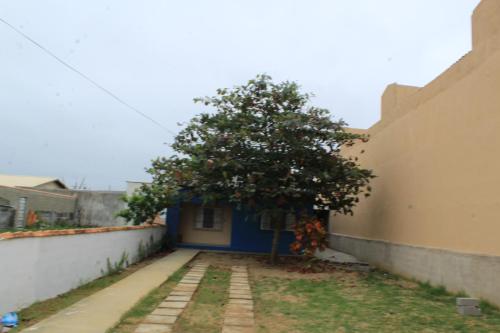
x=275, y=244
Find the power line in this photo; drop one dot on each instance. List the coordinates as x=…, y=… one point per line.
x=107, y=91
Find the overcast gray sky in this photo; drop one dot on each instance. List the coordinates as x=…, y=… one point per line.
x=158, y=55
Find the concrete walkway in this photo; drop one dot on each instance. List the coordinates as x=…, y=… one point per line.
x=102, y=310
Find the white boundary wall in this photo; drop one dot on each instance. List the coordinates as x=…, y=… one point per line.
x=37, y=268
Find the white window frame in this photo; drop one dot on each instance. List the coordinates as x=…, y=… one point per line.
x=218, y=224
x=265, y=222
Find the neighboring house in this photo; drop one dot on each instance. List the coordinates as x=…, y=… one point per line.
x=7, y=213
x=22, y=195
x=224, y=228
x=52, y=201
x=39, y=183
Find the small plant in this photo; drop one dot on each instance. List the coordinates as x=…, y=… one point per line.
x=141, y=251
x=40, y=225
x=118, y=266
x=434, y=291
x=63, y=224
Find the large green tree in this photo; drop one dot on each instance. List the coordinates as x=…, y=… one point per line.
x=265, y=148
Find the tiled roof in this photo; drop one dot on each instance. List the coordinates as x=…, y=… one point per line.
x=27, y=181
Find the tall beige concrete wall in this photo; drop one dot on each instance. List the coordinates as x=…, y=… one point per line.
x=435, y=152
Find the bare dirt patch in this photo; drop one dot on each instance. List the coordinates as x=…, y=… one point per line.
x=406, y=284
x=288, y=268
x=275, y=323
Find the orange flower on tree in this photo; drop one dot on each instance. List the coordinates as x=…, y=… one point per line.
x=310, y=235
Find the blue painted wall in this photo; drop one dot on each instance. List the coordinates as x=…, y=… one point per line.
x=246, y=235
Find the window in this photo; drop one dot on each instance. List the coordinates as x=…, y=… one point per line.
x=209, y=218
x=266, y=224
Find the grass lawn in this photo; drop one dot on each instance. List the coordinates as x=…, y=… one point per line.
x=41, y=310
x=341, y=301
x=374, y=302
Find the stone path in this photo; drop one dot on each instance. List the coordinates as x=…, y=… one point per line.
x=239, y=317
x=101, y=311
x=163, y=318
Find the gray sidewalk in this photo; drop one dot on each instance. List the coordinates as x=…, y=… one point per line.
x=102, y=310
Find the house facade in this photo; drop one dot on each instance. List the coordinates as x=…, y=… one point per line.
x=224, y=228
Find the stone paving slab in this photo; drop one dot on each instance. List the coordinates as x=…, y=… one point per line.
x=153, y=328
x=240, y=301
x=239, y=291
x=192, y=277
x=186, y=287
x=239, y=307
x=167, y=312
x=189, y=282
x=181, y=293
x=237, y=314
x=238, y=329
x=239, y=286
x=244, y=294
x=102, y=310
x=240, y=296
x=244, y=306
x=173, y=305
x=173, y=298
x=159, y=319
x=238, y=321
